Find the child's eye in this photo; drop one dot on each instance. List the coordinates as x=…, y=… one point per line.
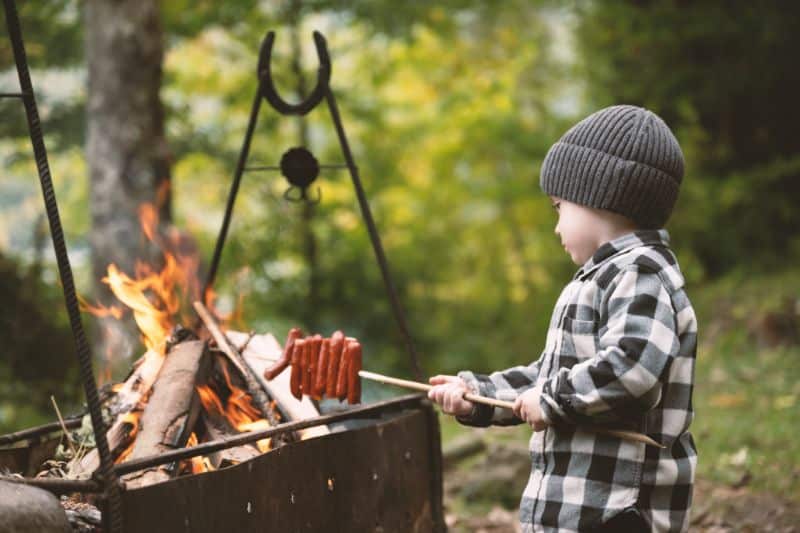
x=556, y=205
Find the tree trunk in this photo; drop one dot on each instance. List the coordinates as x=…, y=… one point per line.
x=127, y=151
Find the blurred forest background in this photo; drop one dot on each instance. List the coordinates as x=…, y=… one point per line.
x=450, y=108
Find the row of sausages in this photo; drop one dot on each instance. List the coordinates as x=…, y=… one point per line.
x=320, y=366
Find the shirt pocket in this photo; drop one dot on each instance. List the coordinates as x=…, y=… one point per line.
x=579, y=341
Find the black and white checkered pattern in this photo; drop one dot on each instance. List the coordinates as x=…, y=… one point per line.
x=620, y=353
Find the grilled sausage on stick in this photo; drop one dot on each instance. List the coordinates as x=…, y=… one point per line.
x=322, y=370
x=335, y=356
x=281, y=364
x=354, y=366
x=298, y=354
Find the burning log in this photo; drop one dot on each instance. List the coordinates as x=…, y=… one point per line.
x=172, y=409
x=217, y=428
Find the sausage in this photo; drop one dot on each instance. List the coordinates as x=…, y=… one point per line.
x=308, y=348
x=296, y=380
x=353, y=379
x=337, y=344
x=286, y=359
x=322, y=369
x=341, y=378
x=311, y=364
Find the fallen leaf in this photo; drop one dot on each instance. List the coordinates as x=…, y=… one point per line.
x=726, y=400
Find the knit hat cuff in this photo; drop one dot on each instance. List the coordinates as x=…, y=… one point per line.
x=598, y=179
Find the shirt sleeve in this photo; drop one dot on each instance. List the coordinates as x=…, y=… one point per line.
x=637, y=342
x=501, y=385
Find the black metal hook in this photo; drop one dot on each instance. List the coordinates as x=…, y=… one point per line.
x=301, y=195
x=267, y=87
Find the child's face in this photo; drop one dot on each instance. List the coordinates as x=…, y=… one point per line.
x=582, y=229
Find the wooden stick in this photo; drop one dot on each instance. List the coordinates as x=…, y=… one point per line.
x=63, y=426
x=222, y=341
x=415, y=385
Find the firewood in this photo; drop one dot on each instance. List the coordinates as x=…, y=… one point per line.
x=171, y=410
x=128, y=398
x=216, y=428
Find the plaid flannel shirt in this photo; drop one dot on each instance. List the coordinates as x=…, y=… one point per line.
x=620, y=353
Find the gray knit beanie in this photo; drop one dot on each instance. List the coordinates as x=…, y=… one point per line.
x=622, y=158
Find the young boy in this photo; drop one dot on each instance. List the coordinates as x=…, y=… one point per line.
x=621, y=344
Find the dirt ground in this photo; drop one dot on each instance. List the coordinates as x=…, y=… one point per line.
x=717, y=509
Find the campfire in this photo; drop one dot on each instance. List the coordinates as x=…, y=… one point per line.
x=185, y=389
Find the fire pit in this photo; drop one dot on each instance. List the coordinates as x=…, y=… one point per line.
x=198, y=440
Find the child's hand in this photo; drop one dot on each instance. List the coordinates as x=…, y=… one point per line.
x=448, y=391
x=527, y=408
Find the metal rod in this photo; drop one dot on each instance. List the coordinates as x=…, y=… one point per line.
x=57, y=485
x=257, y=168
x=397, y=308
x=252, y=436
x=38, y=431
x=64, y=269
x=237, y=178
x=335, y=166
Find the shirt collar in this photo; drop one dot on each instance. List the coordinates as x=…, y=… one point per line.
x=621, y=244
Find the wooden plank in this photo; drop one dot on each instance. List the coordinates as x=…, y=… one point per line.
x=260, y=352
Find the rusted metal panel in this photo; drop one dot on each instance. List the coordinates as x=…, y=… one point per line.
x=27, y=459
x=385, y=476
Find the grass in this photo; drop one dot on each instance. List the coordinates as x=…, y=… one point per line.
x=747, y=395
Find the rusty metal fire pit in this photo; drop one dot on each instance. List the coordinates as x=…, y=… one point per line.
x=378, y=469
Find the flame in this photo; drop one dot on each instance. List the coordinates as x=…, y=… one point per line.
x=100, y=310
x=210, y=400
x=199, y=464
x=132, y=418
x=238, y=410
x=155, y=296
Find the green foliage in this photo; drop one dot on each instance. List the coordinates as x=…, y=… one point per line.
x=38, y=358
x=447, y=139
